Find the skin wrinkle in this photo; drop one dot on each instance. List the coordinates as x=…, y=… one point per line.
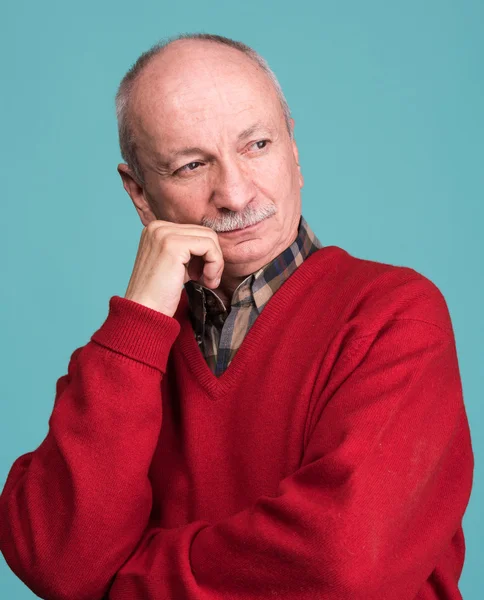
x=167, y=165
x=202, y=94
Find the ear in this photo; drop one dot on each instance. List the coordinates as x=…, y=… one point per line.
x=136, y=192
x=296, y=154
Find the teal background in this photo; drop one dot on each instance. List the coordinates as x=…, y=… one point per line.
x=388, y=103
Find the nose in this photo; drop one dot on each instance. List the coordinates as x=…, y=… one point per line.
x=233, y=186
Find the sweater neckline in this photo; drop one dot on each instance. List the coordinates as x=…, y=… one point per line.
x=276, y=307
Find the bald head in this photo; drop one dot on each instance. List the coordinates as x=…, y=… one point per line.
x=191, y=73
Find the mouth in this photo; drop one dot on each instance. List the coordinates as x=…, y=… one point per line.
x=248, y=229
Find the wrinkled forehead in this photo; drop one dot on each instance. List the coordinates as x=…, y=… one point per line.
x=200, y=95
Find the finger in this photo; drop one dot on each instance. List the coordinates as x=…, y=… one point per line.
x=210, y=252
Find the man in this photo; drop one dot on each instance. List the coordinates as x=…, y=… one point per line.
x=260, y=416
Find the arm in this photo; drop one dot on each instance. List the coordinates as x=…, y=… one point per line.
x=73, y=510
x=381, y=491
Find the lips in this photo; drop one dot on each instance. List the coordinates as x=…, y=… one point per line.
x=245, y=228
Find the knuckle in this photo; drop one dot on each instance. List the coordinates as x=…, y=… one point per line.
x=160, y=234
x=152, y=226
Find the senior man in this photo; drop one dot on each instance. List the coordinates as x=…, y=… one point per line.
x=260, y=416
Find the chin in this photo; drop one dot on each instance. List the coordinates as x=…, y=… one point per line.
x=251, y=251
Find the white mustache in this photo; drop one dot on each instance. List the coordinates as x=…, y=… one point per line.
x=239, y=221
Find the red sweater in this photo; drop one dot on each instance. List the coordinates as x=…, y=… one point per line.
x=332, y=460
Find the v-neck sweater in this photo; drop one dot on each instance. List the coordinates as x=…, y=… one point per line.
x=331, y=460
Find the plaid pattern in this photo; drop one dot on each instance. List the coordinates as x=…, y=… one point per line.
x=219, y=332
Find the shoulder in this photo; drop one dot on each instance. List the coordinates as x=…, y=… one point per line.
x=371, y=293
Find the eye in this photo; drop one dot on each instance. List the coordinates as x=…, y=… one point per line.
x=259, y=147
x=188, y=167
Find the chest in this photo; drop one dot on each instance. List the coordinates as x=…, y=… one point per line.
x=220, y=448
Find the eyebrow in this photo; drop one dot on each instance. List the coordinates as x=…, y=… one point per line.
x=186, y=151
x=252, y=129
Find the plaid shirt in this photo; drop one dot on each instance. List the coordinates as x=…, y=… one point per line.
x=220, y=332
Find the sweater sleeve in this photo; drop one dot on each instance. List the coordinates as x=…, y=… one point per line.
x=73, y=510
x=381, y=491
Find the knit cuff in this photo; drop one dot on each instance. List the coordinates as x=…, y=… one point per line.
x=138, y=332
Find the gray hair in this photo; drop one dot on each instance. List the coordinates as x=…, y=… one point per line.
x=127, y=142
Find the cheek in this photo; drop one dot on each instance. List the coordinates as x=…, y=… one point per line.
x=184, y=204
x=276, y=178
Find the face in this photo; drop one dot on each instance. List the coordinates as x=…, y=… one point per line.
x=214, y=149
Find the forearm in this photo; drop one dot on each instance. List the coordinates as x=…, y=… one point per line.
x=74, y=509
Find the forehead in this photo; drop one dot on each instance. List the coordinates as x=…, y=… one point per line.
x=201, y=88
